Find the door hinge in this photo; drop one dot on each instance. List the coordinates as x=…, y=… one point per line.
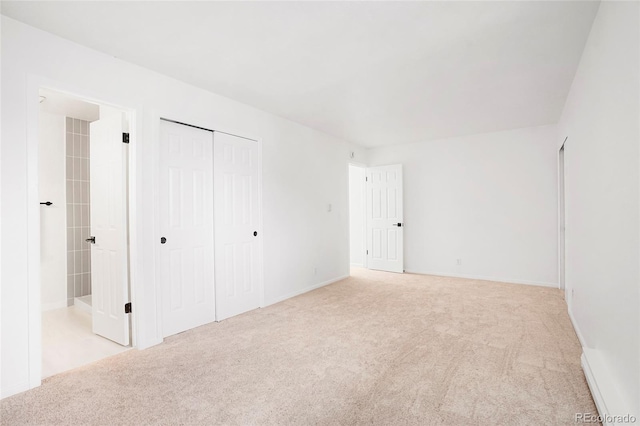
x=125, y=138
x=127, y=308
x=366, y=179
x=367, y=251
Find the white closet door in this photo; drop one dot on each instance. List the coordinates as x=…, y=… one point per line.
x=186, y=225
x=109, y=274
x=385, y=227
x=236, y=183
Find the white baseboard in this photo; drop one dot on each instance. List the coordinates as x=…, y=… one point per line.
x=144, y=344
x=577, y=330
x=485, y=278
x=54, y=305
x=304, y=290
x=357, y=265
x=593, y=387
x=17, y=388
x=603, y=389
x=81, y=305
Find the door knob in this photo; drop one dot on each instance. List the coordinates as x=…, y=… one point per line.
x=163, y=240
x=91, y=240
x=396, y=224
x=255, y=233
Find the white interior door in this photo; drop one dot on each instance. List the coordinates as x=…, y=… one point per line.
x=385, y=224
x=186, y=227
x=237, y=243
x=109, y=253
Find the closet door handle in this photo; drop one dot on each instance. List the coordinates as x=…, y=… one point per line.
x=91, y=240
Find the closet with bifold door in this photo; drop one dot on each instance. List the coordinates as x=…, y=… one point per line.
x=210, y=256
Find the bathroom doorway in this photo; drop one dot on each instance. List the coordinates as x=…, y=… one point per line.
x=73, y=193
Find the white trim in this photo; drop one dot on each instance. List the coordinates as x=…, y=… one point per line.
x=357, y=265
x=54, y=305
x=364, y=212
x=8, y=391
x=82, y=306
x=485, y=278
x=593, y=387
x=260, y=222
x=155, y=157
x=135, y=261
x=1, y=239
x=562, y=219
x=151, y=342
x=304, y=290
x=599, y=380
x=576, y=329
x=604, y=390
x=563, y=283
x=34, y=304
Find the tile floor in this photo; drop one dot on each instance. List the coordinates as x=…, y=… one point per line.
x=68, y=342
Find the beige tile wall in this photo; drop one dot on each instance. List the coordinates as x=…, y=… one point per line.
x=78, y=219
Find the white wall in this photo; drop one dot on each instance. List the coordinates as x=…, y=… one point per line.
x=356, y=215
x=489, y=200
x=303, y=171
x=601, y=119
x=53, y=219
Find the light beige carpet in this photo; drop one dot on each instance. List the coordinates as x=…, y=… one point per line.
x=376, y=348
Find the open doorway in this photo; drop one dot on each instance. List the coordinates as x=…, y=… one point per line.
x=77, y=188
x=357, y=249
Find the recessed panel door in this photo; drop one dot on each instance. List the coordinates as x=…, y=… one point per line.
x=108, y=213
x=186, y=227
x=237, y=247
x=385, y=224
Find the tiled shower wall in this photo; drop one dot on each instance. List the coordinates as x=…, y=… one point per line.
x=78, y=219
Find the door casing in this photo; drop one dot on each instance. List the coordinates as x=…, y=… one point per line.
x=562, y=222
x=33, y=284
x=363, y=194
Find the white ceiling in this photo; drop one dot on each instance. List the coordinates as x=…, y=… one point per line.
x=373, y=73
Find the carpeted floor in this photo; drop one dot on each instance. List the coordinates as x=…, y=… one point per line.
x=376, y=348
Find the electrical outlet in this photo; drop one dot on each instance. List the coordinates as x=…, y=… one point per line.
x=458, y=262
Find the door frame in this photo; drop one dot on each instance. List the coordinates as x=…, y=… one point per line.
x=562, y=220
x=34, y=322
x=364, y=210
x=164, y=115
